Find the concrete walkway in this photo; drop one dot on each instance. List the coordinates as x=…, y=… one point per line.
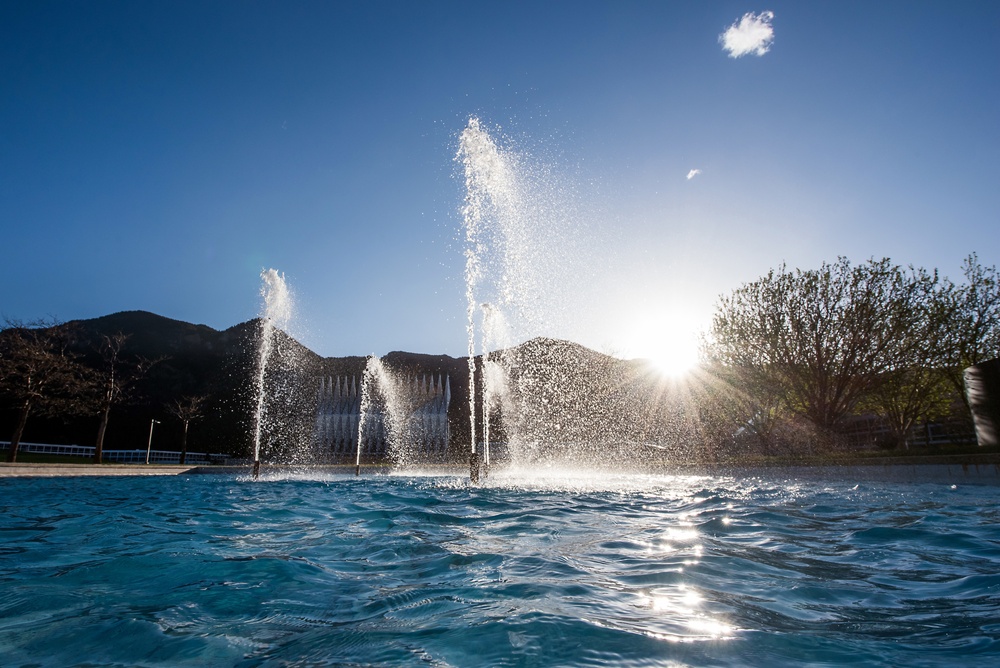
x=18, y=470
x=33, y=470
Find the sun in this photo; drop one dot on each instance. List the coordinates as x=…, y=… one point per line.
x=670, y=344
x=674, y=361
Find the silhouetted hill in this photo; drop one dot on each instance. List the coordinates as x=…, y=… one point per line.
x=196, y=360
x=154, y=337
x=563, y=399
x=157, y=336
x=191, y=360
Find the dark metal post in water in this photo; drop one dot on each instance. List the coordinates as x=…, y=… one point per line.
x=982, y=388
x=474, y=467
x=256, y=469
x=357, y=470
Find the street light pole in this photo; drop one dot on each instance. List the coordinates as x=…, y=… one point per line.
x=149, y=445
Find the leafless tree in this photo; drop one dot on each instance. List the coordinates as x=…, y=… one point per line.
x=186, y=409
x=39, y=374
x=116, y=381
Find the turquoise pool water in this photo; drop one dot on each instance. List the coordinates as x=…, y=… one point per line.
x=561, y=569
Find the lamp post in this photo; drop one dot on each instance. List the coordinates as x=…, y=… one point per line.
x=149, y=445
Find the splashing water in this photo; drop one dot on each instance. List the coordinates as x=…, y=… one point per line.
x=522, y=268
x=276, y=313
x=488, y=185
x=367, y=389
x=401, y=415
x=493, y=219
x=497, y=397
x=529, y=264
x=380, y=420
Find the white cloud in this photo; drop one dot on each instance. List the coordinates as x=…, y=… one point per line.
x=693, y=173
x=751, y=34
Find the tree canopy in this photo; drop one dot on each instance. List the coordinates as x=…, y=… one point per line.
x=843, y=338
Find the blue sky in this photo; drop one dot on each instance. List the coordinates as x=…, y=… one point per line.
x=158, y=155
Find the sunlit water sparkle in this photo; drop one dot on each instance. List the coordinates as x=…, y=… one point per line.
x=557, y=568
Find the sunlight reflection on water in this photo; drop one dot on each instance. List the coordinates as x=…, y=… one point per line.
x=559, y=568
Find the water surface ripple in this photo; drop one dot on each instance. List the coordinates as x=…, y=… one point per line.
x=565, y=570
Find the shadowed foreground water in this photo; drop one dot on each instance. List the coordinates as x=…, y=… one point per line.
x=562, y=570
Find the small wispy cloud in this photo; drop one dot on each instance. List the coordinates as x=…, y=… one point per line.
x=752, y=34
x=693, y=173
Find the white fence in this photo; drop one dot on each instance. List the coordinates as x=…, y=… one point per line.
x=116, y=456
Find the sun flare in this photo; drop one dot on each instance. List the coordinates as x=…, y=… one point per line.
x=670, y=345
x=674, y=361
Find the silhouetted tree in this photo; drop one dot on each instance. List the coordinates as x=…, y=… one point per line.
x=914, y=387
x=187, y=409
x=39, y=374
x=115, y=381
x=828, y=338
x=973, y=311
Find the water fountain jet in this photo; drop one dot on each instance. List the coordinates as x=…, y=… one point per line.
x=276, y=312
x=525, y=260
x=385, y=411
x=489, y=184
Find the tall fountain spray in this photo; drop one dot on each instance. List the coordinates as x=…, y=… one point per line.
x=526, y=260
x=489, y=188
x=276, y=312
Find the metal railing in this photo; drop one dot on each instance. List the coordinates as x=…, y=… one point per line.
x=115, y=456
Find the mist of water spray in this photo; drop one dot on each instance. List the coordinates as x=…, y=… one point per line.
x=496, y=340
x=519, y=252
x=498, y=270
x=529, y=252
x=386, y=407
x=370, y=410
x=276, y=313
